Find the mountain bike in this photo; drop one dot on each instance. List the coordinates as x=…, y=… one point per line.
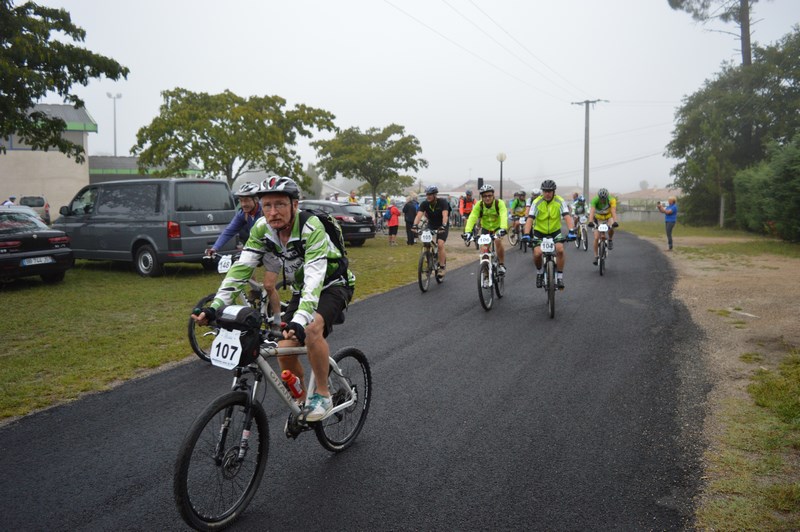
x=201, y=337
x=582, y=233
x=222, y=458
x=602, y=247
x=428, y=259
x=380, y=223
x=548, y=246
x=490, y=281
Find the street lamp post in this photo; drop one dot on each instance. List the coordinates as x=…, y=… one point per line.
x=115, y=97
x=501, y=157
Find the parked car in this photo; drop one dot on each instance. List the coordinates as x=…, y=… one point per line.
x=24, y=209
x=148, y=222
x=28, y=247
x=357, y=224
x=39, y=204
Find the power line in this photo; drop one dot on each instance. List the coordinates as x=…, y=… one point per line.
x=451, y=41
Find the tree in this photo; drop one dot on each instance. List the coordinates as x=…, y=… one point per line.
x=33, y=63
x=375, y=156
x=727, y=125
x=736, y=11
x=226, y=135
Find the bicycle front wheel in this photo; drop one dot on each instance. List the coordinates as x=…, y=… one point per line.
x=550, y=273
x=485, y=290
x=424, y=271
x=221, y=462
x=602, y=257
x=338, y=431
x=513, y=238
x=584, y=238
x=202, y=336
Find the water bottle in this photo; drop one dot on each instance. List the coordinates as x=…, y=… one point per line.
x=293, y=383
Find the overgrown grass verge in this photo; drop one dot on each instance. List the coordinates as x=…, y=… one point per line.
x=104, y=324
x=756, y=471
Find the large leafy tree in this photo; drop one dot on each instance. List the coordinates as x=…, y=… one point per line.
x=36, y=58
x=375, y=156
x=727, y=125
x=227, y=135
x=735, y=11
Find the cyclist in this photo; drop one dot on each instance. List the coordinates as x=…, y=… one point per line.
x=535, y=193
x=604, y=208
x=578, y=207
x=544, y=218
x=381, y=204
x=322, y=286
x=493, y=216
x=241, y=225
x=465, y=204
x=518, y=208
x=437, y=211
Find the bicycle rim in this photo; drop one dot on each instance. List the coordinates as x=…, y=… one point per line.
x=584, y=239
x=551, y=288
x=485, y=290
x=338, y=431
x=513, y=238
x=423, y=271
x=211, y=485
x=202, y=336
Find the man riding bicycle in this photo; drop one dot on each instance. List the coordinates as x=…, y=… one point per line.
x=493, y=216
x=544, y=218
x=437, y=211
x=323, y=286
x=577, y=207
x=241, y=225
x=604, y=208
x=465, y=204
x=518, y=208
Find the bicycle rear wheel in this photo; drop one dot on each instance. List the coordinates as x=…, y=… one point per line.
x=550, y=275
x=485, y=290
x=212, y=486
x=338, y=431
x=424, y=271
x=202, y=336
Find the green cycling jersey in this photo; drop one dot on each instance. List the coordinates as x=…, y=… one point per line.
x=309, y=256
x=492, y=218
x=547, y=215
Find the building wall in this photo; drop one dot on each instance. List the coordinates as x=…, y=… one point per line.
x=51, y=173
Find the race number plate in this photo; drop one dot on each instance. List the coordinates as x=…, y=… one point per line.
x=602, y=228
x=224, y=264
x=426, y=237
x=548, y=245
x=583, y=219
x=226, y=349
x=485, y=240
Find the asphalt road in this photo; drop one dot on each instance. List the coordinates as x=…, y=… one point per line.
x=480, y=420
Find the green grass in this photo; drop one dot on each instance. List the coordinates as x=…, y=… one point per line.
x=656, y=230
x=756, y=469
x=105, y=324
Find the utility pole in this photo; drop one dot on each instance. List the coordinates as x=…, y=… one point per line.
x=586, y=146
x=115, y=98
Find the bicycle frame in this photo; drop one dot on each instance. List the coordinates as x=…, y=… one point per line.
x=488, y=253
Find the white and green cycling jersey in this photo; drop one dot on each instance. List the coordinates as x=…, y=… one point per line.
x=309, y=256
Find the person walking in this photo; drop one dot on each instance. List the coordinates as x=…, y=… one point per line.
x=409, y=213
x=670, y=218
x=10, y=201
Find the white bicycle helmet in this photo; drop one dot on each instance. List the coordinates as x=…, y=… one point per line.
x=279, y=185
x=247, y=190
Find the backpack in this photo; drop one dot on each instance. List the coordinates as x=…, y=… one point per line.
x=480, y=214
x=334, y=232
x=387, y=214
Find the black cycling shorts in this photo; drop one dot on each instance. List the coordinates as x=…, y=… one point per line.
x=443, y=235
x=332, y=304
x=539, y=235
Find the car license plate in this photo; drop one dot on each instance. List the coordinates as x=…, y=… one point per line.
x=209, y=229
x=37, y=260
x=365, y=229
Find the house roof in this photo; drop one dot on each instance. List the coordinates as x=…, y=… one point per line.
x=651, y=194
x=76, y=119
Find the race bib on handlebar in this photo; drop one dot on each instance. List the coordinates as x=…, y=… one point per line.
x=548, y=245
x=583, y=218
x=426, y=237
x=226, y=349
x=485, y=240
x=224, y=264
x=602, y=228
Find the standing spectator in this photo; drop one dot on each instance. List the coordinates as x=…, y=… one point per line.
x=409, y=213
x=10, y=201
x=670, y=217
x=352, y=199
x=394, y=222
